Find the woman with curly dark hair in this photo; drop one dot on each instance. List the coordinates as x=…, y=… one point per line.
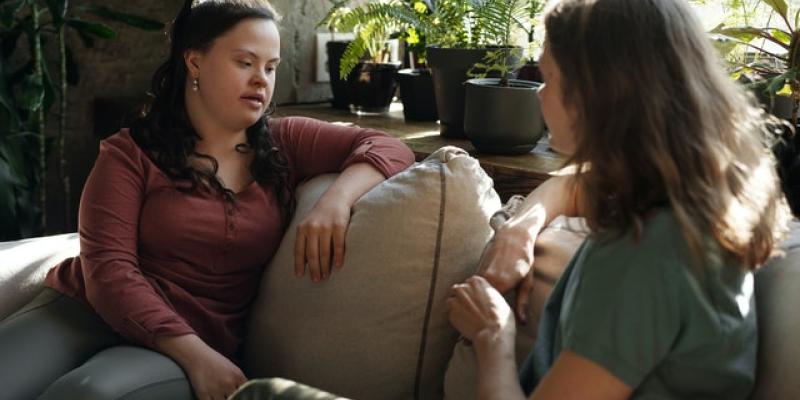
x=179, y=216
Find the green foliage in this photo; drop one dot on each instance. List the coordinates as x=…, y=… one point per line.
x=28, y=92
x=450, y=24
x=499, y=20
x=775, y=70
x=334, y=15
x=373, y=25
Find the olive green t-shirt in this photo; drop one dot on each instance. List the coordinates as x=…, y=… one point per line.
x=643, y=311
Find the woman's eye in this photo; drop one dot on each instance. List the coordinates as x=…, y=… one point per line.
x=245, y=63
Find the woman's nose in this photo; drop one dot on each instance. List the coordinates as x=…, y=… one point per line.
x=260, y=79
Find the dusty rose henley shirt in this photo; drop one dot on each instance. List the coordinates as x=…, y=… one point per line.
x=155, y=261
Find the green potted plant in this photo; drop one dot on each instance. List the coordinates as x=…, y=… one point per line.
x=460, y=35
x=455, y=44
x=28, y=93
x=366, y=63
x=335, y=49
x=402, y=20
x=530, y=70
x=771, y=57
x=454, y=31
x=503, y=115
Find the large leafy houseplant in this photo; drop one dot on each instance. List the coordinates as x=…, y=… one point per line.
x=772, y=52
x=29, y=92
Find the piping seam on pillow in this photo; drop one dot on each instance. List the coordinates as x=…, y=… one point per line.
x=434, y=273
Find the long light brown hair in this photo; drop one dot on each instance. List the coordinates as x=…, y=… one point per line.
x=661, y=125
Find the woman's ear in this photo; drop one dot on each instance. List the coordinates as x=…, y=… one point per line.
x=193, y=58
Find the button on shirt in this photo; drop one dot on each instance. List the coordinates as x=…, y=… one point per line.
x=156, y=261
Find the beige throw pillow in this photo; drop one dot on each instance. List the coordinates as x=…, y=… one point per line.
x=378, y=328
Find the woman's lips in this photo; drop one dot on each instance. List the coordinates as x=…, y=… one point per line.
x=253, y=103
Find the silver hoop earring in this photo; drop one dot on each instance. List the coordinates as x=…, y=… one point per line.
x=195, y=84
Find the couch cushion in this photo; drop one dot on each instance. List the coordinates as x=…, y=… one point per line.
x=553, y=250
x=24, y=265
x=378, y=328
x=777, y=299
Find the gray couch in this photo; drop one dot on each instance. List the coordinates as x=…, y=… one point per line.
x=777, y=302
x=24, y=263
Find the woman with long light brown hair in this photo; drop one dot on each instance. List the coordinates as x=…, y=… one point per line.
x=677, y=183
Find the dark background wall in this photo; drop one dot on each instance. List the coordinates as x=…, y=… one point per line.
x=121, y=69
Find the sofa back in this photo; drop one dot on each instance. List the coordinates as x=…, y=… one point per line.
x=378, y=328
x=777, y=301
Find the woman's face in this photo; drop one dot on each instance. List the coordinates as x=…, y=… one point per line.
x=560, y=120
x=237, y=74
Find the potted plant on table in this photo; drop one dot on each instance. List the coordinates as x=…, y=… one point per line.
x=503, y=115
x=455, y=44
x=530, y=70
x=335, y=49
x=402, y=19
x=461, y=34
x=367, y=65
x=416, y=82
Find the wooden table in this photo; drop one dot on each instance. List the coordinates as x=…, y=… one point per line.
x=512, y=174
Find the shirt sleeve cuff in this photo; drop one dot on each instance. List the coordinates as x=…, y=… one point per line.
x=388, y=155
x=147, y=337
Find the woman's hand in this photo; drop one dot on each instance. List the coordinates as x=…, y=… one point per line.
x=507, y=264
x=320, y=239
x=321, y=235
x=480, y=313
x=212, y=375
x=508, y=261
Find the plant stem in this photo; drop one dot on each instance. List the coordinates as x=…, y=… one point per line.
x=38, y=73
x=62, y=123
x=782, y=58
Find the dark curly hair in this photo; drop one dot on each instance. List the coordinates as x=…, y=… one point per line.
x=164, y=131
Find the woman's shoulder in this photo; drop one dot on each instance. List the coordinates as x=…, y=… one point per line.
x=120, y=149
x=660, y=238
x=123, y=141
x=291, y=124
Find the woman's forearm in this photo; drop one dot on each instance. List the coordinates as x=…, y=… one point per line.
x=497, y=369
x=183, y=349
x=556, y=196
x=352, y=183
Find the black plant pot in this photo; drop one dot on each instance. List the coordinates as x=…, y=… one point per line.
x=449, y=68
x=338, y=86
x=503, y=120
x=371, y=87
x=530, y=72
x=779, y=106
x=416, y=91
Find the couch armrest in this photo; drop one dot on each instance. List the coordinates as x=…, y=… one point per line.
x=24, y=265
